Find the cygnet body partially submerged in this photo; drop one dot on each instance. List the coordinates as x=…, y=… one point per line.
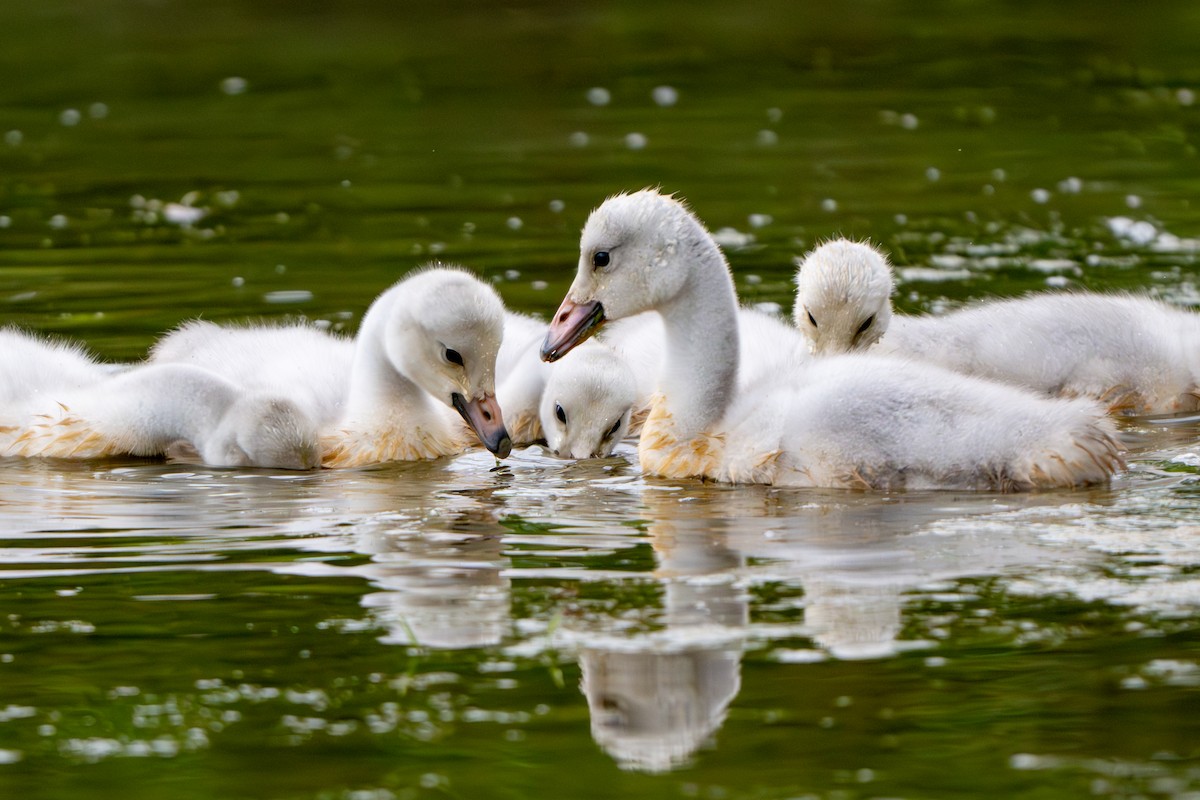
x=426, y=349
x=1133, y=354
x=146, y=410
x=850, y=421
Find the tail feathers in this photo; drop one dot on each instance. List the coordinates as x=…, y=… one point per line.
x=68, y=437
x=1086, y=454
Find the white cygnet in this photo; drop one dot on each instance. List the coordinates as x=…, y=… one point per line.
x=1133, y=354
x=426, y=345
x=849, y=421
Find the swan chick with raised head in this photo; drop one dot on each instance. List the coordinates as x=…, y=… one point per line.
x=1133, y=354
x=838, y=422
x=150, y=410
x=426, y=349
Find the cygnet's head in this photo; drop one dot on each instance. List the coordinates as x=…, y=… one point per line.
x=587, y=403
x=635, y=255
x=262, y=431
x=444, y=333
x=843, y=297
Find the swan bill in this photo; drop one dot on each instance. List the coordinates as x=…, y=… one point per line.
x=574, y=323
x=485, y=419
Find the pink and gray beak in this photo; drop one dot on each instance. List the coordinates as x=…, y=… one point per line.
x=573, y=324
x=484, y=417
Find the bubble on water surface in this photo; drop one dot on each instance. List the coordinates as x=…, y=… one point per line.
x=98, y=110
x=760, y=220
x=578, y=139
x=69, y=117
x=1070, y=185
x=635, y=141
x=288, y=296
x=557, y=206
x=732, y=238
x=767, y=138
x=829, y=204
x=599, y=96
x=1133, y=201
x=514, y=223
x=58, y=222
x=184, y=215
x=13, y=138
x=1040, y=196
x=234, y=85
x=665, y=96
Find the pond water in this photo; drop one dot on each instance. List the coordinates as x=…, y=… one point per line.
x=556, y=629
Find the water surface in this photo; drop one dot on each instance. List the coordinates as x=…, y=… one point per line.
x=557, y=629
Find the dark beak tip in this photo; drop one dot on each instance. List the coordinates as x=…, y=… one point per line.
x=502, y=447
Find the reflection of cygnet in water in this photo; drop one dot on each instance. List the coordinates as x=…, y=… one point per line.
x=656, y=698
x=853, y=619
x=652, y=710
x=439, y=590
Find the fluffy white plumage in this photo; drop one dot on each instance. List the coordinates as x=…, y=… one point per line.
x=57, y=401
x=843, y=296
x=426, y=346
x=851, y=421
x=580, y=409
x=1134, y=354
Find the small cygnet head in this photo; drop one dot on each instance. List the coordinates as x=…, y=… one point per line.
x=262, y=431
x=587, y=403
x=843, y=297
x=444, y=335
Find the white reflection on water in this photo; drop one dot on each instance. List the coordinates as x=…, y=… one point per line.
x=441, y=548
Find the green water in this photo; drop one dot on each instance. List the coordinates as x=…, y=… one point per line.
x=577, y=630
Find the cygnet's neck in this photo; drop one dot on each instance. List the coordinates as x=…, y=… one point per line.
x=700, y=363
x=377, y=387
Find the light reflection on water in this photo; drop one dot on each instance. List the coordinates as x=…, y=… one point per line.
x=443, y=552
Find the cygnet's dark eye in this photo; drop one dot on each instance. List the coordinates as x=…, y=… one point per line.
x=454, y=357
x=613, y=430
x=600, y=259
x=812, y=319
x=866, y=324
x=558, y=412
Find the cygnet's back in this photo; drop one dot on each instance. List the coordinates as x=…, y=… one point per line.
x=304, y=363
x=31, y=366
x=1133, y=354
x=867, y=421
x=159, y=409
